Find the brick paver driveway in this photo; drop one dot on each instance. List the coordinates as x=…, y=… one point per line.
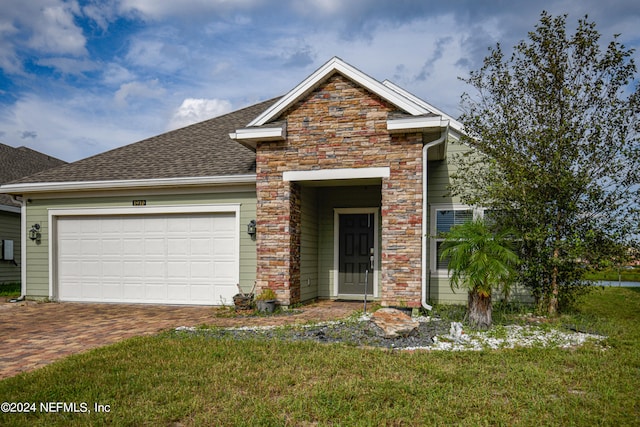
x=33, y=335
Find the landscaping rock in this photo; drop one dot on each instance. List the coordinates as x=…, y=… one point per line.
x=394, y=323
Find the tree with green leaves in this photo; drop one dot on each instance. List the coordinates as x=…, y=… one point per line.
x=479, y=261
x=555, y=128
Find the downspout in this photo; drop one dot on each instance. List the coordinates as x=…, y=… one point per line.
x=23, y=246
x=426, y=274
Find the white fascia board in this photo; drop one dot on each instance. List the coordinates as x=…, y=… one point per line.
x=330, y=174
x=430, y=108
x=336, y=64
x=260, y=134
x=126, y=184
x=416, y=123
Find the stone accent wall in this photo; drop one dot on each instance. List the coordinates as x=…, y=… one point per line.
x=340, y=125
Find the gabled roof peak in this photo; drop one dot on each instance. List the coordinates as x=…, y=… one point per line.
x=337, y=65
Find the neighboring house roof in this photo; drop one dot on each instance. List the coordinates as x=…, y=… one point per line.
x=16, y=163
x=200, y=150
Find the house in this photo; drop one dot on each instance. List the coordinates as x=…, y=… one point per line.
x=330, y=191
x=16, y=163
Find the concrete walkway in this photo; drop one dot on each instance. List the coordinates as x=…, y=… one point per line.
x=35, y=334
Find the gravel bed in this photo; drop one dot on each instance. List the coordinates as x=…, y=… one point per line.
x=432, y=334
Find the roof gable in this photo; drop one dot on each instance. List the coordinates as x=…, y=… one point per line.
x=337, y=65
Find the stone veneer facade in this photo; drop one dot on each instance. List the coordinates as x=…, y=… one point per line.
x=340, y=125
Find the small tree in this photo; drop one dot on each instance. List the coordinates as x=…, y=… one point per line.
x=555, y=130
x=480, y=262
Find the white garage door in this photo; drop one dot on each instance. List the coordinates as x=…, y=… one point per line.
x=167, y=259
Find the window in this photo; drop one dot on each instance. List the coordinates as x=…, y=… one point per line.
x=443, y=220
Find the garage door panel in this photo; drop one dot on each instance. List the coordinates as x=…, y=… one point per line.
x=177, y=247
x=90, y=247
x=154, y=246
x=111, y=247
x=132, y=293
x=201, y=247
x=224, y=271
x=180, y=259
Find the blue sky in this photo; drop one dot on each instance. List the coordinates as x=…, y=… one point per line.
x=81, y=77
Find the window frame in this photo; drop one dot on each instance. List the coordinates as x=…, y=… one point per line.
x=477, y=213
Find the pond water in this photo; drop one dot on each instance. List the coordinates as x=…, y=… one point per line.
x=620, y=284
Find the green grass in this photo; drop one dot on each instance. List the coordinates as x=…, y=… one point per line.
x=11, y=289
x=626, y=275
x=174, y=379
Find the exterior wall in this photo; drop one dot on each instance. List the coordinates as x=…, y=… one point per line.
x=37, y=212
x=438, y=180
x=340, y=125
x=10, y=229
x=309, y=244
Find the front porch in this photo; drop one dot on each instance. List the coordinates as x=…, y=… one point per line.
x=329, y=231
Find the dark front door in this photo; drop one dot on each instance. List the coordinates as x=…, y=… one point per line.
x=356, y=242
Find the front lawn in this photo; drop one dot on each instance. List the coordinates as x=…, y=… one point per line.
x=181, y=379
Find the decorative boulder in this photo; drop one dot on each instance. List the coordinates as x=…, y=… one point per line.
x=393, y=323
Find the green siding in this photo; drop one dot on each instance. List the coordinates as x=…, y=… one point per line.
x=37, y=212
x=438, y=181
x=10, y=229
x=309, y=244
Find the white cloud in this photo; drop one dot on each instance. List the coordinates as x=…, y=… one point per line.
x=116, y=74
x=56, y=31
x=196, y=110
x=157, y=55
x=153, y=9
x=137, y=91
x=72, y=129
x=68, y=65
x=46, y=26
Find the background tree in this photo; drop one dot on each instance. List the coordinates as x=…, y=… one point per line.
x=479, y=261
x=555, y=128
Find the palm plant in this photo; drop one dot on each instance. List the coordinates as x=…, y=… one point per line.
x=479, y=261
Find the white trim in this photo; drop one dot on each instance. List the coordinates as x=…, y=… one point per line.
x=432, y=227
x=336, y=64
x=327, y=174
x=260, y=134
x=416, y=123
x=426, y=273
x=336, y=247
x=127, y=183
x=23, y=247
x=55, y=213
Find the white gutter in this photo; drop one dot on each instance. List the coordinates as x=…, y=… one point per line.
x=126, y=184
x=425, y=229
x=23, y=245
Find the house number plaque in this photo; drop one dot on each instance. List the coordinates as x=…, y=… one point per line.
x=139, y=203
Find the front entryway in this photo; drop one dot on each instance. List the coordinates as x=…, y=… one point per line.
x=356, y=246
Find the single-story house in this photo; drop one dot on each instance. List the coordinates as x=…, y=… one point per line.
x=16, y=163
x=334, y=190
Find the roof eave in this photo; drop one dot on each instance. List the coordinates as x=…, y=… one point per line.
x=198, y=181
x=416, y=124
x=249, y=137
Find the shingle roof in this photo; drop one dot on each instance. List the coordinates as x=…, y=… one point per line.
x=16, y=163
x=202, y=149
